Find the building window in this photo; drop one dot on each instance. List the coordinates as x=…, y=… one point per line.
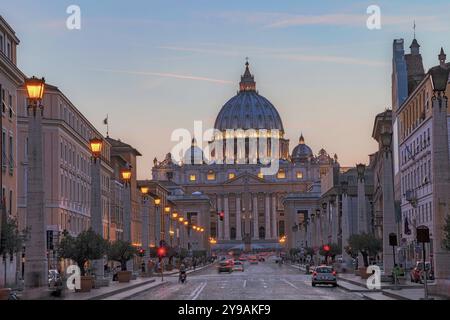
x=192, y=177
x=211, y=175
x=231, y=175
x=281, y=174
x=233, y=233
x=299, y=175
x=11, y=155
x=262, y=233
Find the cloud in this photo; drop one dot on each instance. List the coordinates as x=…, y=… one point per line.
x=284, y=20
x=283, y=54
x=167, y=75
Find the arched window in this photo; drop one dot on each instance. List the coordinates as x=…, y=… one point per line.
x=233, y=233
x=262, y=233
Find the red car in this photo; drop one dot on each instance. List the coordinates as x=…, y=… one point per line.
x=416, y=273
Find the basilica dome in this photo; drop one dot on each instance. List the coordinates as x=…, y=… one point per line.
x=248, y=109
x=302, y=151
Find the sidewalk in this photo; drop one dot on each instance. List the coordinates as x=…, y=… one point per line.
x=121, y=291
x=353, y=283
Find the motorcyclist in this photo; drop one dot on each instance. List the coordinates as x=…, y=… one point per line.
x=182, y=272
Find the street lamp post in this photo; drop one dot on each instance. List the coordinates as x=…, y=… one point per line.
x=96, y=146
x=125, y=174
x=36, y=265
x=389, y=224
x=145, y=222
x=158, y=221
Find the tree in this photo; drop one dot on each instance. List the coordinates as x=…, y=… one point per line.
x=365, y=243
x=446, y=241
x=121, y=251
x=88, y=245
x=11, y=241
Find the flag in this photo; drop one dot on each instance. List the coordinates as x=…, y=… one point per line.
x=106, y=120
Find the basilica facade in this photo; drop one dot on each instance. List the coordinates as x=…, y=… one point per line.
x=246, y=206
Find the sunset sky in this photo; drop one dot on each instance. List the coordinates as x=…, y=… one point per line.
x=154, y=66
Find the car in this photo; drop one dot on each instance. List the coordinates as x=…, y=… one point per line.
x=238, y=266
x=324, y=275
x=253, y=260
x=242, y=258
x=225, y=266
x=261, y=259
x=416, y=273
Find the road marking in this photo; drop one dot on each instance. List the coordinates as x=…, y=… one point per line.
x=245, y=283
x=289, y=283
x=198, y=290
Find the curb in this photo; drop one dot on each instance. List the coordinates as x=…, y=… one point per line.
x=122, y=290
x=112, y=293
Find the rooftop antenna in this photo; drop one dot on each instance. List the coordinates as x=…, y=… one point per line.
x=414, y=28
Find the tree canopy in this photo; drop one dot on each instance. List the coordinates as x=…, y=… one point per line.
x=88, y=245
x=121, y=251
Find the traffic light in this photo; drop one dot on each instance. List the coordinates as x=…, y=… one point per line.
x=221, y=215
x=50, y=240
x=141, y=252
x=161, y=252
x=326, y=248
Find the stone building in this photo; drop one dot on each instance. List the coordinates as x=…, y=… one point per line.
x=67, y=167
x=252, y=204
x=10, y=79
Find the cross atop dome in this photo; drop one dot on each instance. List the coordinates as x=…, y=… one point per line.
x=301, y=140
x=247, y=80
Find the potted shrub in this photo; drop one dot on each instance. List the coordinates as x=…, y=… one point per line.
x=122, y=252
x=366, y=244
x=86, y=246
x=11, y=242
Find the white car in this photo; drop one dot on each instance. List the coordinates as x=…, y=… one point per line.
x=238, y=266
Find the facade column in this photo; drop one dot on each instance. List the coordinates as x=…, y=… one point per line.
x=334, y=221
x=267, y=216
x=145, y=230
x=36, y=266
x=226, y=219
x=219, y=223
x=274, y=217
x=97, y=211
x=441, y=196
x=238, y=219
x=345, y=225
x=255, y=218
x=362, y=208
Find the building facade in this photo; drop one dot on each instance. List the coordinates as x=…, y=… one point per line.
x=10, y=79
x=67, y=168
x=251, y=203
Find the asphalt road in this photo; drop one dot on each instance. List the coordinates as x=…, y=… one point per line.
x=264, y=281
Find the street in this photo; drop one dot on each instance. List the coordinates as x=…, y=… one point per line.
x=264, y=281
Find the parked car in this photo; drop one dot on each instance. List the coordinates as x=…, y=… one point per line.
x=324, y=275
x=238, y=266
x=416, y=273
x=225, y=266
x=253, y=260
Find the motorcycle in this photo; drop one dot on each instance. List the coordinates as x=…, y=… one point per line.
x=183, y=277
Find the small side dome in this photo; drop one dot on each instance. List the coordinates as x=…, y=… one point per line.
x=194, y=155
x=301, y=152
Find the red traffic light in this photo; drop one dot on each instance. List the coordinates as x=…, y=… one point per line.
x=326, y=248
x=141, y=252
x=221, y=215
x=161, y=252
